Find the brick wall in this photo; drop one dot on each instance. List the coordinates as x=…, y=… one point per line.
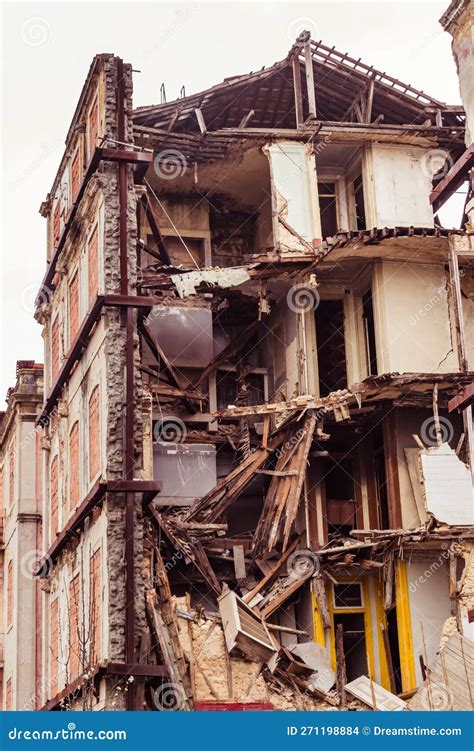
x=95, y=606
x=54, y=497
x=10, y=593
x=54, y=646
x=74, y=466
x=74, y=642
x=93, y=265
x=94, y=434
x=73, y=307
x=55, y=348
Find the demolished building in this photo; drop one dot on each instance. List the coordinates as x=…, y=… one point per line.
x=257, y=427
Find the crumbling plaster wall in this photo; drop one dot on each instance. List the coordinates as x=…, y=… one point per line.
x=115, y=382
x=294, y=195
x=412, y=321
x=462, y=31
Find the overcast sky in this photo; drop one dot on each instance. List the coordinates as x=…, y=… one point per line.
x=47, y=50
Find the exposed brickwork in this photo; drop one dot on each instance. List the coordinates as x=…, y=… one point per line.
x=94, y=434
x=95, y=606
x=73, y=307
x=54, y=490
x=54, y=644
x=56, y=223
x=93, y=127
x=11, y=474
x=9, y=696
x=76, y=174
x=93, y=265
x=74, y=466
x=74, y=626
x=55, y=348
x=10, y=593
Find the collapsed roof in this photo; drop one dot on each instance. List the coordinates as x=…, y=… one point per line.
x=346, y=90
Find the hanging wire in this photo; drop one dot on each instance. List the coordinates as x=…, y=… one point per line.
x=172, y=223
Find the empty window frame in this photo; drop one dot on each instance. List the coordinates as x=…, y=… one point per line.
x=348, y=595
x=341, y=504
x=350, y=609
x=250, y=391
x=383, y=514
x=330, y=341
x=328, y=208
x=369, y=330
x=358, y=188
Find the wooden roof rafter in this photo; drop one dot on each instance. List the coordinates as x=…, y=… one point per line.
x=346, y=89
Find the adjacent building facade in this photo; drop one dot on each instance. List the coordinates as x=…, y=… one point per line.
x=21, y=541
x=257, y=396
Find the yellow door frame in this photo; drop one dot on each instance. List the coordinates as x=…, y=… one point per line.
x=370, y=634
x=405, y=635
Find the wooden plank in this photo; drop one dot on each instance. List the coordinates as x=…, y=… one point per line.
x=458, y=306
x=239, y=562
x=271, y=573
x=341, y=675
x=201, y=121
x=297, y=91
x=308, y=64
x=155, y=230
x=388, y=655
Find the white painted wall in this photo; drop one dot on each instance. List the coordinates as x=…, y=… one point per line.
x=412, y=325
x=428, y=587
x=294, y=194
x=401, y=179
